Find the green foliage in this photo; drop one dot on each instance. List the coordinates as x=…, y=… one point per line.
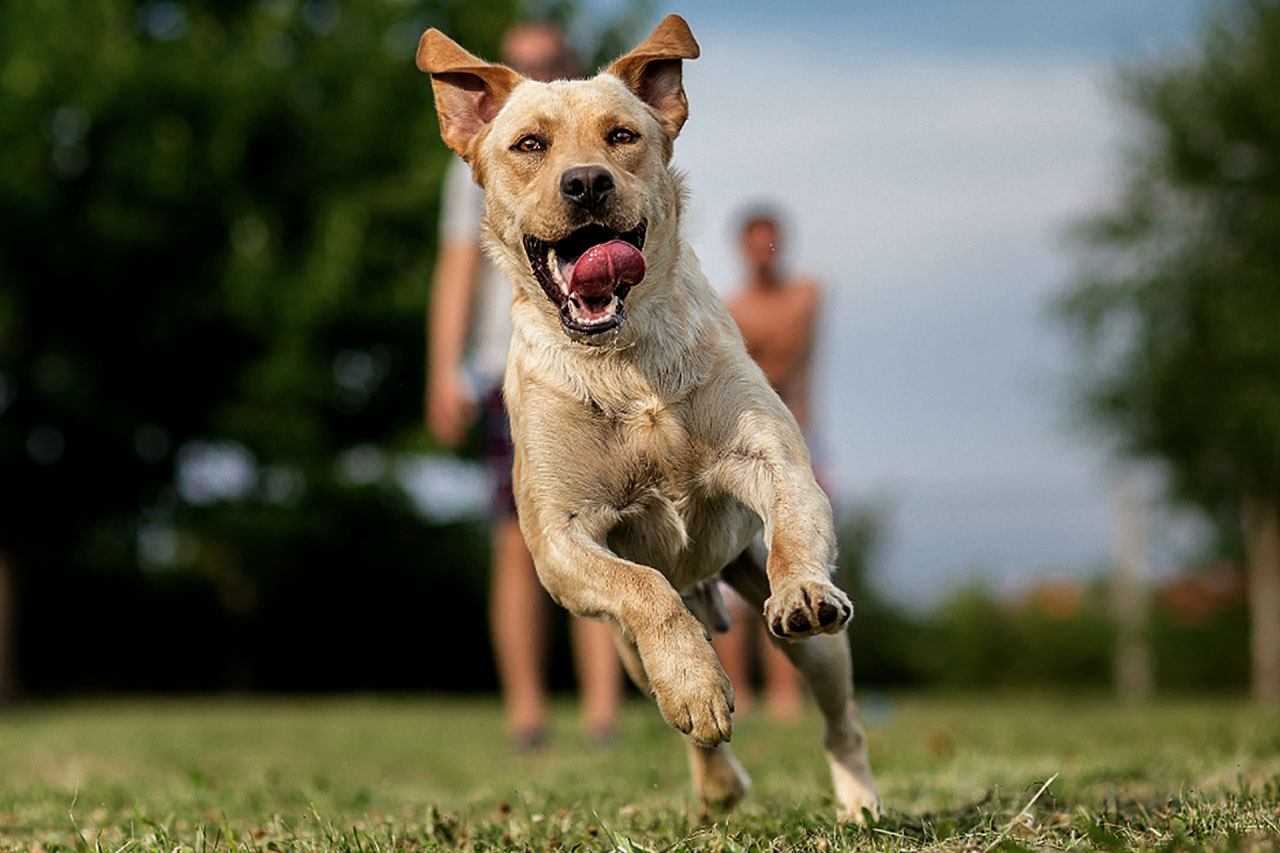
x=1058, y=636
x=1179, y=309
x=1208, y=654
x=975, y=637
x=217, y=225
x=978, y=639
x=206, y=209
x=1063, y=637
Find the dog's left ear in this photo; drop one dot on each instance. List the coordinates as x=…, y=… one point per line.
x=469, y=91
x=653, y=71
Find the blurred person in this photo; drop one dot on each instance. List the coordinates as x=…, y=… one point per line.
x=777, y=315
x=469, y=325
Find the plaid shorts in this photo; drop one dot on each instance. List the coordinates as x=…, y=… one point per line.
x=498, y=453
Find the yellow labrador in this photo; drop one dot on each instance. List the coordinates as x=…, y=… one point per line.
x=650, y=452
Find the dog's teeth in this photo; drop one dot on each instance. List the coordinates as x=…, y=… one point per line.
x=576, y=311
x=553, y=263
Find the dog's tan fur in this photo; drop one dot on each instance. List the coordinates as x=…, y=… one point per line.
x=650, y=456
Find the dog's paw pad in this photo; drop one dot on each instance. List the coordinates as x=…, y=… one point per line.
x=806, y=608
x=828, y=613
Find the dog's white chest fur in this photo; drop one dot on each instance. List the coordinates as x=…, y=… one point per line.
x=667, y=517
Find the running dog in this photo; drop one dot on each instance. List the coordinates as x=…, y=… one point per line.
x=651, y=455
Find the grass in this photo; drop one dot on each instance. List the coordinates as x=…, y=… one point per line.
x=407, y=774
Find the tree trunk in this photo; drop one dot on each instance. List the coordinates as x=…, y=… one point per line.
x=1262, y=549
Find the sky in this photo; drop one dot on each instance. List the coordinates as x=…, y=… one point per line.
x=929, y=157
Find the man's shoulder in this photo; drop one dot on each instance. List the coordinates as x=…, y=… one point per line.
x=808, y=285
x=807, y=291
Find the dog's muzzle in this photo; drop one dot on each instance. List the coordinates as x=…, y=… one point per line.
x=588, y=274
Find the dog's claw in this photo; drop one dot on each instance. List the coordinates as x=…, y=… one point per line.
x=708, y=722
x=805, y=608
x=692, y=690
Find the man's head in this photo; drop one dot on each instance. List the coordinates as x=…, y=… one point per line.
x=760, y=234
x=538, y=51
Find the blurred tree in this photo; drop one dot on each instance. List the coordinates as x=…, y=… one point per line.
x=1043, y=638
x=217, y=221
x=1178, y=312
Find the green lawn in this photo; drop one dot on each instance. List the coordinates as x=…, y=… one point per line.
x=377, y=773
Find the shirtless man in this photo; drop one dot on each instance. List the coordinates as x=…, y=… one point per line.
x=777, y=316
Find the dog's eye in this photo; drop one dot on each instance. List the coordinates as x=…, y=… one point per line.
x=529, y=143
x=622, y=136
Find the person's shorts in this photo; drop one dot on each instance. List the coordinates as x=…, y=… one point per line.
x=495, y=429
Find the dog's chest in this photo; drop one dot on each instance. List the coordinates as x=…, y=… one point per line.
x=652, y=429
x=666, y=517
x=654, y=456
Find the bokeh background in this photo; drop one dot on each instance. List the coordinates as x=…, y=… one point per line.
x=217, y=227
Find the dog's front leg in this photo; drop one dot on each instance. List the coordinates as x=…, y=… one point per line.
x=774, y=479
x=684, y=675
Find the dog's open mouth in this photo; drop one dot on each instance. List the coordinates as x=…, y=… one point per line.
x=588, y=274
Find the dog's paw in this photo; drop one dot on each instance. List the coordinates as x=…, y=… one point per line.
x=718, y=778
x=860, y=805
x=691, y=688
x=805, y=608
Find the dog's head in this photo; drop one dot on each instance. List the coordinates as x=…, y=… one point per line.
x=575, y=172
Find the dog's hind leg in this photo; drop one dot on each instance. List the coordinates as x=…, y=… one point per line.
x=718, y=779
x=824, y=662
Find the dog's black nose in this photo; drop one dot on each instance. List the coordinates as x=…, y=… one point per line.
x=587, y=186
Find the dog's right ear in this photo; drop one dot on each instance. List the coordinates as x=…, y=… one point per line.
x=469, y=91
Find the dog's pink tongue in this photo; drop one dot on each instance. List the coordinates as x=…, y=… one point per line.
x=603, y=267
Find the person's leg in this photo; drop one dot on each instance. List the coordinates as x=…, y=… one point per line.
x=599, y=676
x=517, y=622
x=783, y=685
x=734, y=648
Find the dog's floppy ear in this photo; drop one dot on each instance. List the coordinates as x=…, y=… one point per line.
x=653, y=71
x=469, y=91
